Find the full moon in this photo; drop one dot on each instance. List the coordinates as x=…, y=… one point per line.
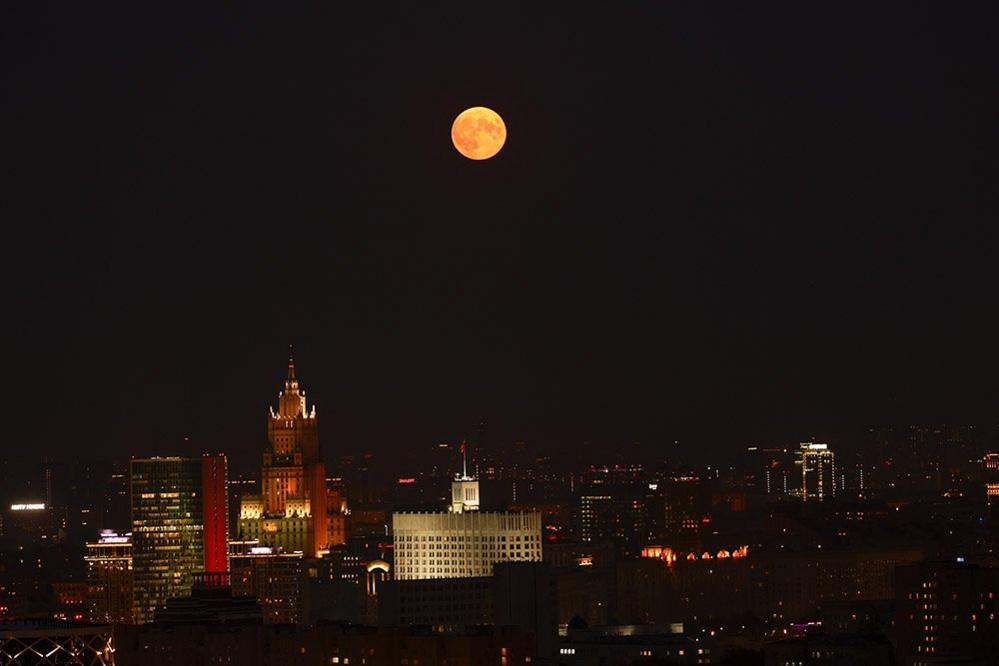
x=478, y=133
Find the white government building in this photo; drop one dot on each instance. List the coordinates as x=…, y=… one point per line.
x=462, y=542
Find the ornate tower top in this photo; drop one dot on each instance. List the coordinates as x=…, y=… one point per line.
x=291, y=401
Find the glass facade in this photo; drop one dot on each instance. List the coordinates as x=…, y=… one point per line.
x=167, y=531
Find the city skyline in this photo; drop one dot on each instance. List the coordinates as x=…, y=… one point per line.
x=542, y=334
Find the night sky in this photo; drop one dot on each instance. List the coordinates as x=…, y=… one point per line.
x=714, y=224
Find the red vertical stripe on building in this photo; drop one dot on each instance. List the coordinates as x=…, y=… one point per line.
x=216, y=512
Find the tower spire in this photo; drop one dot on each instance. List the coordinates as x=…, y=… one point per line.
x=291, y=363
x=464, y=462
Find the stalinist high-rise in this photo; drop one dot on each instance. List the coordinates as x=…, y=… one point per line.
x=294, y=510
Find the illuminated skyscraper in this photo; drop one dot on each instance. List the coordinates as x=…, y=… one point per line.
x=294, y=510
x=179, y=520
x=818, y=471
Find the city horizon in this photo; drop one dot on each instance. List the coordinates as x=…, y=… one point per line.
x=465, y=334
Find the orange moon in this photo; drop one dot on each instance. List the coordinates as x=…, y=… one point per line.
x=478, y=133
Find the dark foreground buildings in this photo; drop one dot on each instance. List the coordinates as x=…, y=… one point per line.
x=211, y=626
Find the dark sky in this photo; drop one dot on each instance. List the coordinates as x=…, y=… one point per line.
x=716, y=224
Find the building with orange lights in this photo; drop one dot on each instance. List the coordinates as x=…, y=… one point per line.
x=294, y=510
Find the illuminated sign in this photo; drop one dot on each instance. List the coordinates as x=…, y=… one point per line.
x=407, y=479
x=261, y=550
x=114, y=539
x=27, y=507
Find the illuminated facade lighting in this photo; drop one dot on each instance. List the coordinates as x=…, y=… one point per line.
x=294, y=510
x=818, y=471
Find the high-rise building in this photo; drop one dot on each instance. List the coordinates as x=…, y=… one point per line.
x=178, y=521
x=214, y=480
x=293, y=511
x=614, y=505
x=109, y=578
x=616, y=513
x=276, y=579
x=818, y=471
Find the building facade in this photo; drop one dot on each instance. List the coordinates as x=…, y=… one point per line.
x=109, y=578
x=173, y=500
x=458, y=545
x=946, y=610
x=617, y=513
x=278, y=580
x=818, y=471
x=294, y=511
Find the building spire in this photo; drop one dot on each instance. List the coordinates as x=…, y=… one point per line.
x=291, y=401
x=464, y=462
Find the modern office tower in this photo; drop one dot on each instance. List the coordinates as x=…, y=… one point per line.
x=278, y=580
x=293, y=511
x=109, y=578
x=178, y=523
x=947, y=610
x=818, y=471
x=616, y=508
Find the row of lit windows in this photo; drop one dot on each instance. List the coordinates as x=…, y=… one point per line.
x=413, y=549
x=462, y=538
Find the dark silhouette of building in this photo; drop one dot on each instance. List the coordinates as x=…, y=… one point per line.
x=946, y=610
